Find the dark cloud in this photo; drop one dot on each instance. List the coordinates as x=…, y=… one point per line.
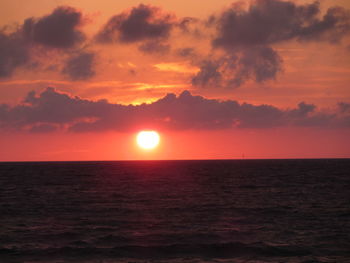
x=246, y=36
x=43, y=128
x=186, y=52
x=334, y=26
x=191, y=26
x=209, y=74
x=260, y=63
x=303, y=110
x=232, y=70
x=52, y=110
x=80, y=66
x=154, y=47
x=13, y=53
x=57, y=30
x=143, y=22
x=272, y=21
x=185, y=24
x=344, y=107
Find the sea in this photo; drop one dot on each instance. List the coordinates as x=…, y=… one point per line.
x=175, y=211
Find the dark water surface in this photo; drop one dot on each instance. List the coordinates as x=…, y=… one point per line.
x=176, y=211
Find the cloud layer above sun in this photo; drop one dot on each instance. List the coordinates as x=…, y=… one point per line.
x=54, y=111
x=80, y=78
x=228, y=48
x=145, y=49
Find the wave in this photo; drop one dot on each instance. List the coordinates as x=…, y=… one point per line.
x=226, y=250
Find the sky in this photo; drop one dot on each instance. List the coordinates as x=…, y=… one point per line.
x=218, y=80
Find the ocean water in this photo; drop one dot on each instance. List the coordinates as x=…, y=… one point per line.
x=176, y=211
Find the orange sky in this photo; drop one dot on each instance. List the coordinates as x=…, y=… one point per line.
x=312, y=68
x=282, y=143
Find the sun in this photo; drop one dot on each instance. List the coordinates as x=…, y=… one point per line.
x=148, y=139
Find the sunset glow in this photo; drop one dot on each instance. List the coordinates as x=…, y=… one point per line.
x=174, y=130
x=269, y=79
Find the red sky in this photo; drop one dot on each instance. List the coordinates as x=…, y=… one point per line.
x=269, y=79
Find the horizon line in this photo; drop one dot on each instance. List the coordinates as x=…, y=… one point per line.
x=165, y=160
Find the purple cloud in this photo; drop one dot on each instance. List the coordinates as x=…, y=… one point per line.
x=52, y=110
x=13, y=53
x=272, y=21
x=143, y=22
x=154, y=47
x=57, y=30
x=246, y=36
x=80, y=66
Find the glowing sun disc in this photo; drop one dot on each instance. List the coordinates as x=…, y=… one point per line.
x=148, y=139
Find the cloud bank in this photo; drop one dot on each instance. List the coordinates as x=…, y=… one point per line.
x=52, y=110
